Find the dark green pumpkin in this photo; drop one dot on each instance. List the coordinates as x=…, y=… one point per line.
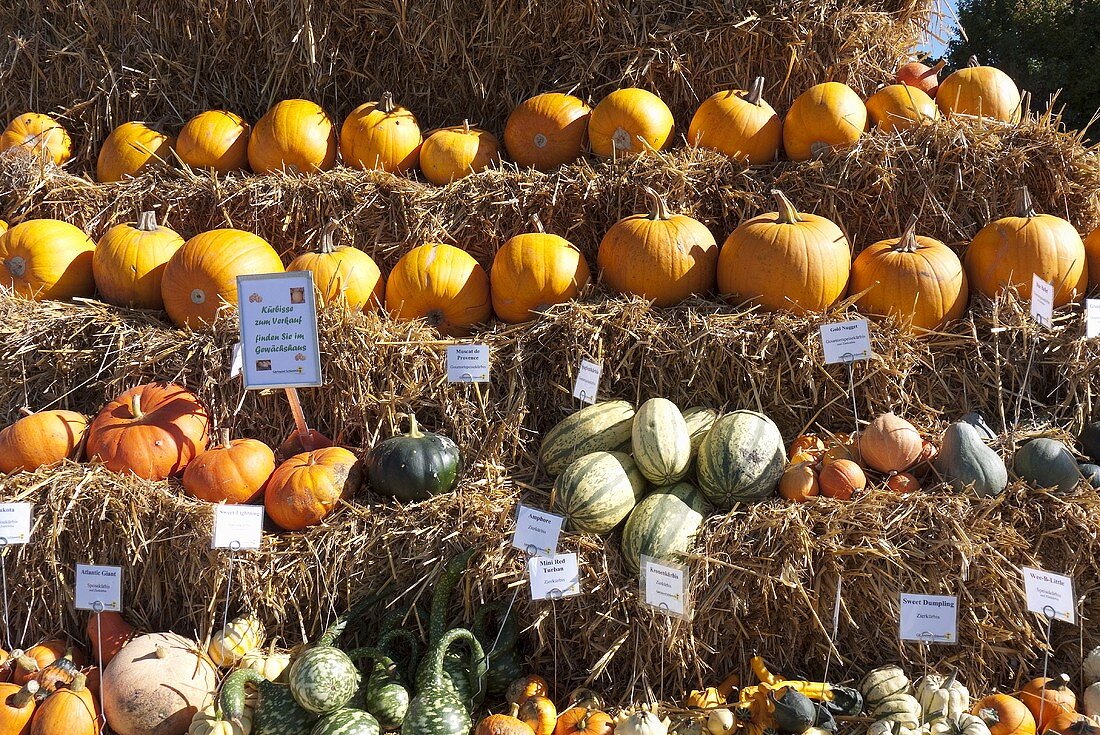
x=793, y=711
x=1090, y=441
x=966, y=462
x=1047, y=463
x=1091, y=473
x=276, y=712
x=845, y=702
x=436, y=710
x=414, y=466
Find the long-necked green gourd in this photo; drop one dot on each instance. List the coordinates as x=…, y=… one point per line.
x=276, y=712
x=436, y=710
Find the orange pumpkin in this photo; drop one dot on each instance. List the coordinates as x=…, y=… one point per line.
x=441, y=284
x=293, y=444
x=1007, y=252
x=539, y=714
x=215, y=139
x=67, y=712
x=41, y=439
x=152, y=431
x=982, y=91
x=739, y=124
x=659, y=256
x=108, y=632
x=810, y=443
x=17, y=707
x=46, y=259
x=890, y=444
x=201, y=277
x=534, y=271
x=522, y=689
x=799, y=483
x=630, y=121
x=785, y=260
x=36, y=658
x=841, y=446
x=900, y=107
x=132, y=149
x=841, y=479
x=502, y=725
x=381, y=135
x=584, y=721
x=1005, y=715
x=39, y=134
x=452, y=153
x=308, y=486
x=828, y=114
x=234, y=471
x=920, y=76
x=343, y=274
x=1092, y=255
x=129, y=261
x=547, y=131
x=1072, y=723
x=1048, y=698
x=294, y=136
x=903, y=483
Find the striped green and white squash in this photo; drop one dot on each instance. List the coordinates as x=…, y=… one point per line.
x=664, y=524
x=347, y=722
x=699, y=419
x=740, y=460
x=597, y=491
x=600, y=427
x=323, y=679
x=880, y=684
x=661, y=442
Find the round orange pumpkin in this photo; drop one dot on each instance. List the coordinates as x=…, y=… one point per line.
x=215, y=139
x=452, y=153
x=343, y=274
x=307, y=487
x=132, y=149
x=547, y=131
x=534, y=271
x=1007, y=252
x=201, y=276
x=69, y=711
x=806, y=443
x=799, y=482
x=829, y=114
x=539, y=714
x=46, y=259
x=129, y=262
x=921, y=76
x=294, y=136
x=900, y=107
x=1005, y=715
x=785, y=260
x=903, y=483
x=152, y=431
x=233, y=472
x=16, y=707
x=1048, y=698
x=293, y=444
x=841, y=479
x=502, y=725
x=890, y=443
x=630, y=121
x=381, y=135
x=1092, y=255
x=1072, y=723
x=659, y=256
x=584, y=721
x=442, y=284
x=739, y=124
x=520, y=690
x=39, y=134
x=981, y=91
x=41, y=439
x=916, y=278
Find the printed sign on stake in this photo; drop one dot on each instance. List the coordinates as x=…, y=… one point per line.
x=1050, y=594
x=15, y=523
x=846, y=341
x=468, y=363
x=587, y=384
x=665, y=587
x=98, y=588
x=237, y=527
x=537, y=531
x=1042, y=301
x=554, y=577
x=279, y=347
x=1092, y=318
x=929, y=618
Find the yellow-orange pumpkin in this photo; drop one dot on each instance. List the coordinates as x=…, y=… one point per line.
x=234, y=471
x=41, y=439
x=343, y=274
x=841, y=479
x=629, y=121
x=215, y=139
x=308, y=486
x=16, y=707
x=522, y=689
x=381, y=135
x=534, y=271
x=903, y=483
x=806, y=443
x=1092, y=256
x=294, y=136
x=799, y=482
x=547, y=131
x=900, y=107
x=69, y=711
x=829, y=114
x=46, y=259
x=129, y=262
x=1072, y=723
x=452, y=153
x=739, y=124
x=39, y=134
x=584, y=721
x=980, y=91
x=442, y=284
x=131, y=149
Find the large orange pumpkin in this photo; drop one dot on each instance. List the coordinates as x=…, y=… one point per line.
x=980, y=91
x=1048, y=698
x=452, y=153
x=829, y=114
x=584, y=721
x=152, y=431
x=900, y=107
x=785, y=260
x=841, y=479
x=1092, y=255
x=129, y=262
x=234, y=471
x=739, y=124
x=343, y=274
x=131, y=149
x=69, y=711
x=916, y=278
x=442, y=284
x=381, y=135
x=547, y=131
x=890, y=443
x=202, y=275
x=294, y=136
x=307, y=487
x=17, y=707
x=630, y=121
x=40, y=134
x=534, y=271
x=1008, y=251
x=659, y=256
x=46, y=259
x=1005, y=715
x=215, y=139
x=41, y=439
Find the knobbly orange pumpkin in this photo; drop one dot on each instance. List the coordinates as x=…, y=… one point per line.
x=520, y=690
x=234, y=471
x=452, y=153
x=841, y=479
x=534, y=271
x=41, y=439
x=44, y=259
x=502, y=725
x=1092, y=255
x=215, y=139
x=828, y=114
x=739, y=124
x=809, y=443
x=900, y=107
x=630, y=121
x=69, y=711
x=308, y=486
x=547, y=131
x=1007, y=252
x=539, y=714
x=981, y=91
x=129, y=262
x=132, y=149
x=294, y=136
x=40, y=135
x=799, y=482
x=17, y=707
x=1048, y=698
x=381, y=135
x=152, y=431
x=343, y=274
x=659, y=256
x=1005, y=715
x=108, y=632
x=920, y=76
x=441, y=284
x=201, y=277
x=785, y=260
x=915, y=278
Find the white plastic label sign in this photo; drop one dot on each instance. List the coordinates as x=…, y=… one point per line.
x=98, y=588
x=15, y=523
x=236, y=363
x=1050, y=594
x=537, y=531
x=665, y=586
x=846, y=341
x=1092, y=318
x=468, y=363
x=554, y=577
x=238, y=527
x=279, y=346
x=929, y=618
x=587, y=384
x=1042, y=301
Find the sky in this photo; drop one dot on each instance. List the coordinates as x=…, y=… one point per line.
x=944, y=29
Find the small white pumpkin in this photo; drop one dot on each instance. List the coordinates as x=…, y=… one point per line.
x=1090, y=702
x=893, y=727
x=942, y=697
x=903, y=709
x=964, y=724
x=1091, y=668
x=721, y=722
x=270, y=664
x=208, y=722
x=238, y=638
x=883, y=683
x=641, y=721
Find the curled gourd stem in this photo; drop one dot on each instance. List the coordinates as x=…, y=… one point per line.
x=755, y=91
x=135, y=406
x=162, y=652
x=907, y=243
x=225, y=437
x=973, y=62
x=386, y=105
x=328, y=244
x=658, y=207
x=536, y=224
x=414, y=427
x=1024, y=206
x=80, y=682
x=147, y=221
x=937, y=68
x=788, y=215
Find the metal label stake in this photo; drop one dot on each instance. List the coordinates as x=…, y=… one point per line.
x=234, y=547
x=850, y=361
x=4, y=580
x=836, y=627
x=555, y=595
x=97, y=608
x=1049, y=613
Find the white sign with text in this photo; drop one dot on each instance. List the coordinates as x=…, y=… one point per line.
x=238, y=527
x=554, y=577
x=1050, y=594
x=468, y=363
x=846, y=341
x=537, y=531
x=665, y=586
x=929, y=618
x=98, y=588
x=15, y=523
x=1042, y=301
x=279, y=347
x=1092, y=318
x=587, y=383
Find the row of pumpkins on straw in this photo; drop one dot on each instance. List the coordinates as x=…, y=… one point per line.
x=544, y=132
x=778, y=260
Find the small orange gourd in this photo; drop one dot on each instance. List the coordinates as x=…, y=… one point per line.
x=235, y=471
x=539, y=714
x=799, y=483
x=502, y=725
x=41, y=439
x=584, y=721
x=841, y=479
x=1005, y=715
x=69, y=711
x=308, y=486
x=17, y=703
x=522, y=689
x=1048, y=698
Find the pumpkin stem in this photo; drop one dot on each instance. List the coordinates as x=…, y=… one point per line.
x=1059, y=682
x=755, y=91
x=135, y=406
x=80, y=682
x=466, y=126
x=162, y=652
x=414, y=427
x=536, y=224
x=658, y=207
x=26, y=664
x=225, y=437
x=788, y=215
x=327, y=242
x=386, y=105
x=972, y=62
x=1024, y=206
x=907, y=243
x=20, y=699
x=515, y=710
x=937, y=68
x=26, y=411
x=582, y=724
x=147, y=221
x=989, y=716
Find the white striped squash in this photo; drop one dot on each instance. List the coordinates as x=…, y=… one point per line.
x=661, y=442
x=699, y=419
x=598, y=491
x=663, y=525
x=601, y=427
x=740, y=460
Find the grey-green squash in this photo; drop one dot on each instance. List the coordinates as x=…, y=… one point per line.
x=660, y=442
x=699, y=420
x=1091, y=473
x=1047, y=463
x=664, y=524
x=276, y=712
x=985, y=431
x=347, y=722
x=1090, y=441
x=740, y=460
x=436, y=710
x=597, y=491
x=600, y=427
x=323, y=679
x=965, y=461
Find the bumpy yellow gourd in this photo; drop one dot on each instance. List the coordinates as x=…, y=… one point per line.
x=209, y=722
x=269, y=664
x=238, y=638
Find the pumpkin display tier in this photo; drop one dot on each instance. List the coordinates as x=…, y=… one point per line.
x=415, y=465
